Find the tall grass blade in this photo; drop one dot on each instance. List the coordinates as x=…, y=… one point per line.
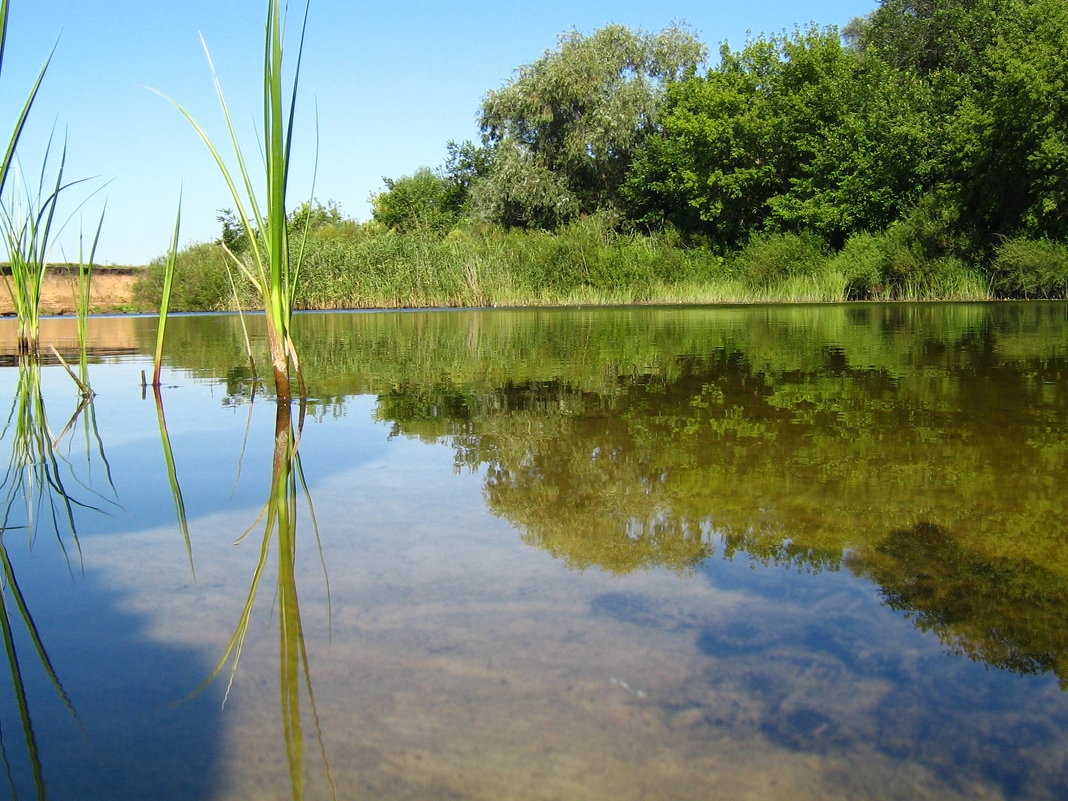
x=244, y=328
x=20, y=124
x=85, y=286
x=165, y=300
x=267, y=265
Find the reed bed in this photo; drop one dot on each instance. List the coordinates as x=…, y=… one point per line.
x=350, y=265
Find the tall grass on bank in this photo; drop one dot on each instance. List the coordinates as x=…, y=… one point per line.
x=364, y=265
x=268, y=263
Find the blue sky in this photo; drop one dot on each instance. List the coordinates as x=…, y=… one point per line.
x=392, y=83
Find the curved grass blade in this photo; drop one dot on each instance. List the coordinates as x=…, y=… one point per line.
x=165, y=298
x=270, y=269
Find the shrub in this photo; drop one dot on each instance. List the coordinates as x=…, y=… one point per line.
x=767, y=259
x=928, y=232
x=862, y=263
x=200, y=281
x=1031, y=268
x=423, y=200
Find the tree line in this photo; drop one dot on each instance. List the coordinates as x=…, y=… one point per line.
x=923, y=140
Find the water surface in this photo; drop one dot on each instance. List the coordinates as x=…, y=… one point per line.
x=708, y=553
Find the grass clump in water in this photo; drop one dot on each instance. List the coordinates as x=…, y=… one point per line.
x=267, y=262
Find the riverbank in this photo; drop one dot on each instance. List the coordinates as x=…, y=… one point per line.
x=588, y=262
x=111, y=290
x=349, y=265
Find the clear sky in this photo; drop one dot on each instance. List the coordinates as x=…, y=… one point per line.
x=391, y=84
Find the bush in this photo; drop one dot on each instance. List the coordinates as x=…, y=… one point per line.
x=768, y=259
x=200, y=281
x=1031, y=268
x=422, y=201
x=930, y=231
x=862, y=263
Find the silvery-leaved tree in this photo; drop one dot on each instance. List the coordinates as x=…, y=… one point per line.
x=564, y=130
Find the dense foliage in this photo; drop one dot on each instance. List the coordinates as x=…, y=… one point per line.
x=792, y=133
x=920, y=152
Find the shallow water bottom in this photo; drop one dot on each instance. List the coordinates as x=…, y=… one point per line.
x=651, y=554
x=460, y=667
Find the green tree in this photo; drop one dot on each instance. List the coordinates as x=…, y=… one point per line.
x=791, y=133
x=564, y=131
x=1010, y=140
x=465, y=164
x=947, y=38
x=420, y=201
x=312, y=214
x=233, y=235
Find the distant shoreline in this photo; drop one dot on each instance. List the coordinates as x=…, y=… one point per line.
x=111, y=290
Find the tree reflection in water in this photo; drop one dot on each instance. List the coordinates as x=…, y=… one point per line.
x=1007, y=612
x=802, y=468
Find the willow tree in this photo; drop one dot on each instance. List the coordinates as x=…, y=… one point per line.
x=564, y=130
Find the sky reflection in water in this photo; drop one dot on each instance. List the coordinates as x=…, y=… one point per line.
x=647, y=553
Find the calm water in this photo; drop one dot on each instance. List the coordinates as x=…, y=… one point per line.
x=768, y=553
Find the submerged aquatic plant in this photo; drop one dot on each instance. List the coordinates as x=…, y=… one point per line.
x=267, y=262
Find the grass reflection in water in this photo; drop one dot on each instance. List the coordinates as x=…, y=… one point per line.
x=35, y=493
x=734, y=494
x=279, y=518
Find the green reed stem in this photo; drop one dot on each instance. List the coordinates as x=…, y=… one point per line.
x=85, y=286
x=165, y=298
x=268, y=264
